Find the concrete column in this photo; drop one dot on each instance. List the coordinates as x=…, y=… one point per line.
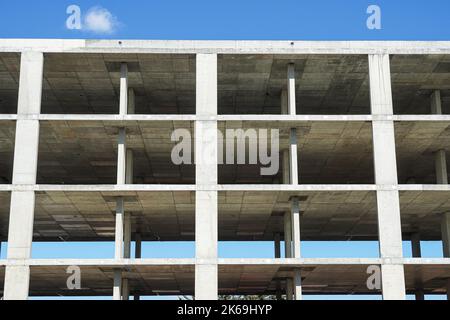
x=206, y=153
x=291, y=89
x=121, y=179
x=389, y=225
x=415, y=245
x=123, y=104
x=436, y=102
x=21, y=219
x=119, y=252
x=284, y=102
x=287, y=235
x=117, y=288
x=441, y=167
x=286, y=167
x=416, y=253
x=137, y=254
x=293, y=164
x=126, y=253
x=277, y=247
x=295, y=219
x=288, y=251
x=445, y=230
x=289, y=289
x=131, y=101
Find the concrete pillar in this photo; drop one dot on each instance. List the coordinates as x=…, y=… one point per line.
x=415, y=245
x=291, y=90
x=388, y=204
x=295, y=219
x=117, y=288
x=277, y=247
x=21, y=219
x=287, y=235
x=123, y=103
x=131, y=101
x=121, y=179
x=206, y=206
x=416, y=253
x=436, y=102
x=293, y=163
x=441, y=167
x=277, y=243
x=445, y=230
x=137, y=253
x=119, y=252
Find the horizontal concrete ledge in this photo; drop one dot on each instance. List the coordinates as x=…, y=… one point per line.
x=121, y=119
x=223, y=187
x=225, y=47
x=227, y=261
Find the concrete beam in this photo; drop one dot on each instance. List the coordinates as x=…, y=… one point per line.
x=206, y=203
x=21, y=220
x=385, y=162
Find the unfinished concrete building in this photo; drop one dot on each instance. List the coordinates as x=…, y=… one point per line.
x=85, y=155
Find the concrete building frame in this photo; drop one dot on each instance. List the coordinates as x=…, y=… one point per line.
x=288, y=273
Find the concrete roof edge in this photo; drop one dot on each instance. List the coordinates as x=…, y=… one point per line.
x=225, y=46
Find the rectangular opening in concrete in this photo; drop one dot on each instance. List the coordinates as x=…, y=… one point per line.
x=417, y=146
x=9, y=82
x=5, y=200
x=325, y=84
x=421, y=214
x=7, y=141
x=85, y=152
x=97, y=281
x=267, y=279
x=90, y=216
x=325, y=215
x=328, y=152
x=414, y=80
x=76, y=83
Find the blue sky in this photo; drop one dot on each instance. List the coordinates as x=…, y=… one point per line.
x=234, y=19
x=223, y=20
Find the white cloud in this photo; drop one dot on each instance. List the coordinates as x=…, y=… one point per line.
x=100, y=20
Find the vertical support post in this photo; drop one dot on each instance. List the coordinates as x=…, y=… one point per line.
x=442, y=178
x=293, y=157
x=21, y=218
x=445, y=231
x=117, y=288
x=121, y=179
x=415, y=245
x=287, y=235
x=123, y=103
x=277, y=247
x=206, y=155
x=388, y=203
x=295, y=218
x=137, y=253
x=436, y=102
x=441, y=167
x=416, y=253
x=291, y=89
